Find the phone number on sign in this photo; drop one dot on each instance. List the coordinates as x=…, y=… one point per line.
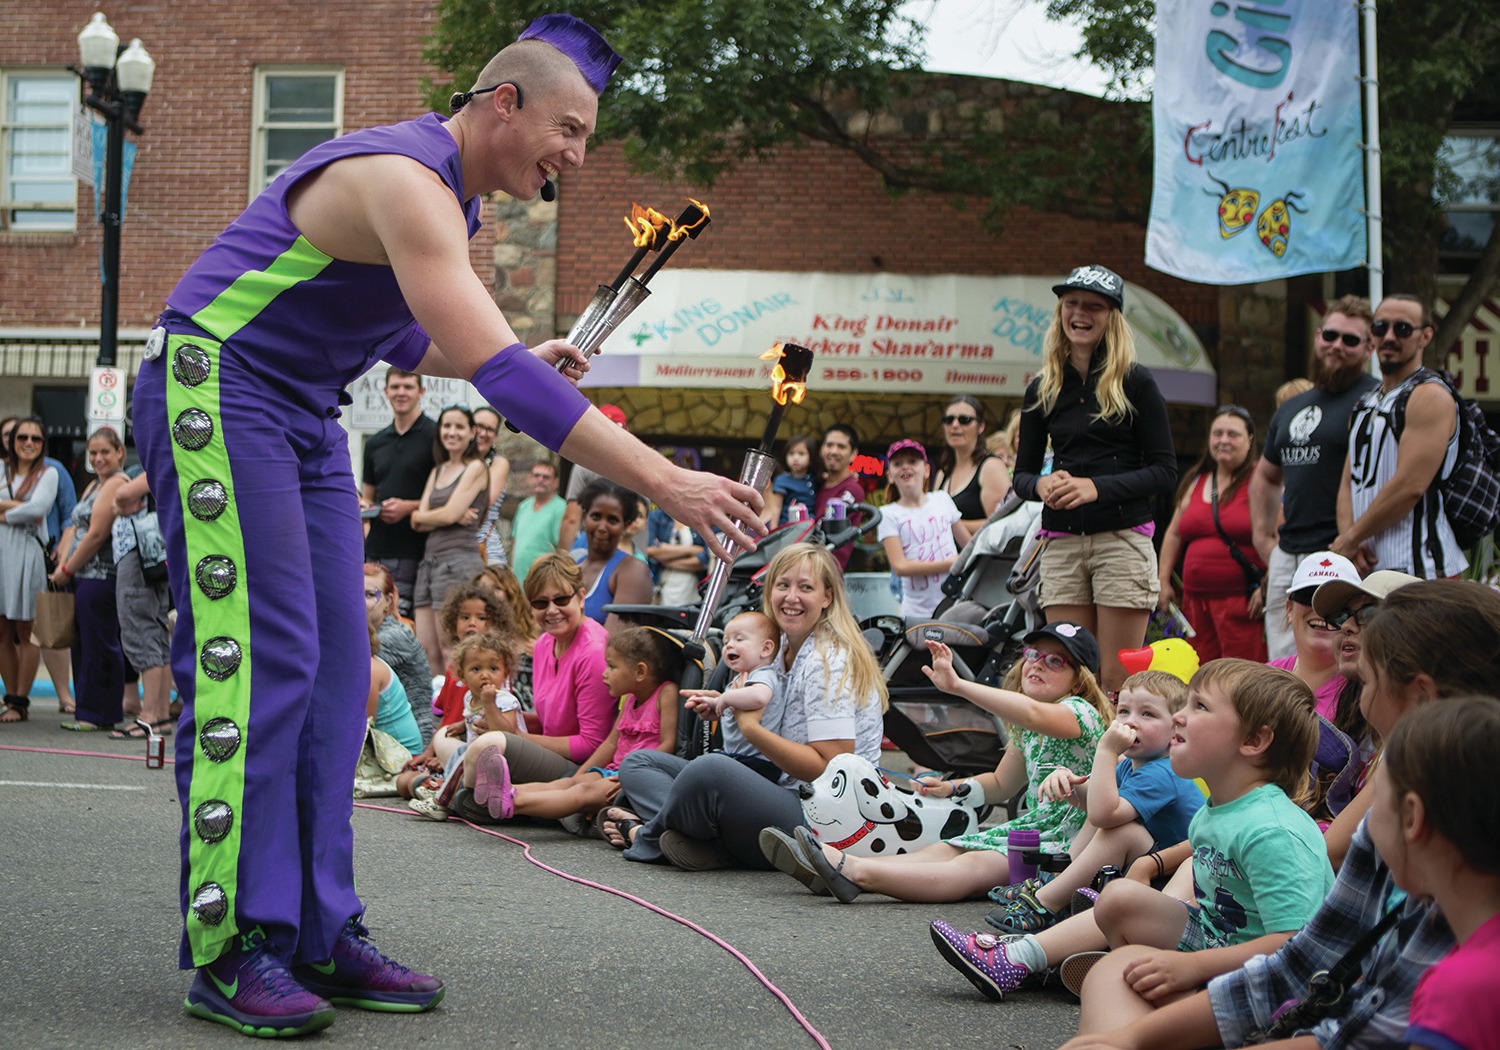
x=862, y=375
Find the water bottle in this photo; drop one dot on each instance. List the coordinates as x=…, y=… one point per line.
x=1016, y=844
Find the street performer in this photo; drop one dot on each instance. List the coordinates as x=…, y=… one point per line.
x=356, y=253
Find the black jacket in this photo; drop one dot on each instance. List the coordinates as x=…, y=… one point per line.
x=1129, y=461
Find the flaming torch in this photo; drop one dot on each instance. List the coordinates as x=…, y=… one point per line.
x=651, y=231
x=788, y=383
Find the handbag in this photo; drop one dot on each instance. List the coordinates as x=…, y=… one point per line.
x=153, y=573
x=1253, y=575
x=54, y=625
x=1325, y=989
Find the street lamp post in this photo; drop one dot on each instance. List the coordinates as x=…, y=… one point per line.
x=119, y=79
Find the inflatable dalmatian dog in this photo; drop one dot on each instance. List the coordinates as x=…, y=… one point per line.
x=853, y=807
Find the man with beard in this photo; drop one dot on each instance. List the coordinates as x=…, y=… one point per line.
x=1303, y=461
x=1403, y=438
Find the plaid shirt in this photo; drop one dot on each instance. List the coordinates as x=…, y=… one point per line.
x=1375, y=1007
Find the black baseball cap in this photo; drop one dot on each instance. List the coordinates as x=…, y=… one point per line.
x=1077, y=639
x=1097, y=279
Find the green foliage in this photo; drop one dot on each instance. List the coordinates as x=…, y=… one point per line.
x=705, y=85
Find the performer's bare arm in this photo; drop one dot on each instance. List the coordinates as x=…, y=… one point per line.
x=390, y=210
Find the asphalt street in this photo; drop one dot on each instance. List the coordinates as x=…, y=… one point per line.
x=530, y=957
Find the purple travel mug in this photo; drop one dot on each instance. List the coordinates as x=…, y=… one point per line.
x=1016, y=844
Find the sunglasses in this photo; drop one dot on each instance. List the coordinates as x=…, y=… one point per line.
x=1349, y=339
x=27, y=437
x=962, y=421
x=559, y=600
x=1361, y=617
x=1239, y=411
x=1051, y=661
x=485, y=427
x=1403, y=329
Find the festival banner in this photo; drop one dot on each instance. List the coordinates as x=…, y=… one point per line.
x=1256, y=108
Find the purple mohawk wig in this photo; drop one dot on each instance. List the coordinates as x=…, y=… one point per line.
x=581, y=42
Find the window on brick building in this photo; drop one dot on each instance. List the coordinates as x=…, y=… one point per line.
x=37, y=187
x=295, y=109
x=1471, y=199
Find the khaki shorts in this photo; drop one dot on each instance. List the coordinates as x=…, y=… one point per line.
x=1114, y=569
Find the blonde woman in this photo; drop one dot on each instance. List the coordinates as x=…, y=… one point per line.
x=1112, y=453
x=709, y=813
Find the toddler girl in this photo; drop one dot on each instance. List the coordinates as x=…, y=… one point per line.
x=640, y=664
x=920, y=530
x=794, y=486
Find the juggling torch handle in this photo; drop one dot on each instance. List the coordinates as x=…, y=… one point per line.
x=755, y=472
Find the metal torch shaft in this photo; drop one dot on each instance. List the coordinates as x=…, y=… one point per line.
x=755, y=472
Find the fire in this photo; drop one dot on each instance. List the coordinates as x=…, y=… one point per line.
x=789, y=374
x=646, y=225
x=687, y=227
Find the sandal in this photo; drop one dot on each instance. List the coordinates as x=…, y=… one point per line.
x=622, y=822
x=128, y=733
x=13, y=712
x=80, y=726
x=1025, y=914
x=839, y=884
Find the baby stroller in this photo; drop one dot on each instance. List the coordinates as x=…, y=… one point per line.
x=990, y=605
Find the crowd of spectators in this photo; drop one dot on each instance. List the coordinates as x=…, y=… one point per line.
x=1312, y=571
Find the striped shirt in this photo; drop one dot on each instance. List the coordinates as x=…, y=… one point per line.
x=1374, y=1010
x=1421, y=543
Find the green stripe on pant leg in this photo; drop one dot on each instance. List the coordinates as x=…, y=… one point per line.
x=221, y=639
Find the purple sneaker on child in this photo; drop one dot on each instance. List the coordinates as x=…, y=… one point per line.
x=250, y=990
x=981, y=957
x=357, y=974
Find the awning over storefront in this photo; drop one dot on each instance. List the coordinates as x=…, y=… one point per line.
x=884, y=333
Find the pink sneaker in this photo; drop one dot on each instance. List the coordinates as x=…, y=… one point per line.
x=981, y=958
x=492, y=787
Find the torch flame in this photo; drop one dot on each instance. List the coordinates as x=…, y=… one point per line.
x=646, y=226
x=789, y=374
x=677, y=232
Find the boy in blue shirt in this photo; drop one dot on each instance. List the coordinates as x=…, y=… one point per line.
x=1135, y=803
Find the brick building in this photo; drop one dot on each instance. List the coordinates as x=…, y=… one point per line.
x=240, y=89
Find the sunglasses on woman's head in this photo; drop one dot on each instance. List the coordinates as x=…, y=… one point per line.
x=1349, y=339
x=1361, y=617
x=1403, y=329
x=962, y=421
x=559, y=600
x=1239, y=411
x=1051, y=661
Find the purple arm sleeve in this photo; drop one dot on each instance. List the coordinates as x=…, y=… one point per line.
x=408, y=350
x=531, y=394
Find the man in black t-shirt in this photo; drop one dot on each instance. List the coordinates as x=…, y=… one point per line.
x=397, y=461
x=1303, y=461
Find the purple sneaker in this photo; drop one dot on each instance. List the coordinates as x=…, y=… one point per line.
x=492, y=787
x=359, y=975
x=981, y=958
x=250, y=990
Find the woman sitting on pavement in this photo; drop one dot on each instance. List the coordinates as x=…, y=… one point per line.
x=709, y=813
x=574, y=711
x=399, y=648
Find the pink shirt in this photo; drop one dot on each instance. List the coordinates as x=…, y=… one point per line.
x=1455, y=1006
x=569, y=691
x=1326, y=696
x=639, y=726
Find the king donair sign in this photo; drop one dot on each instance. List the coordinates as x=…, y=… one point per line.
x=1257, y=135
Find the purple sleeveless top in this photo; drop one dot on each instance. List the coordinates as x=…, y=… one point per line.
x=290, y=311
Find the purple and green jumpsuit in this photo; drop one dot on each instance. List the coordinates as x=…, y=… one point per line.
x=236, y=418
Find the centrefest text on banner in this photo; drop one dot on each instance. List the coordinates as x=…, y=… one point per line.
x=1257, y=137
